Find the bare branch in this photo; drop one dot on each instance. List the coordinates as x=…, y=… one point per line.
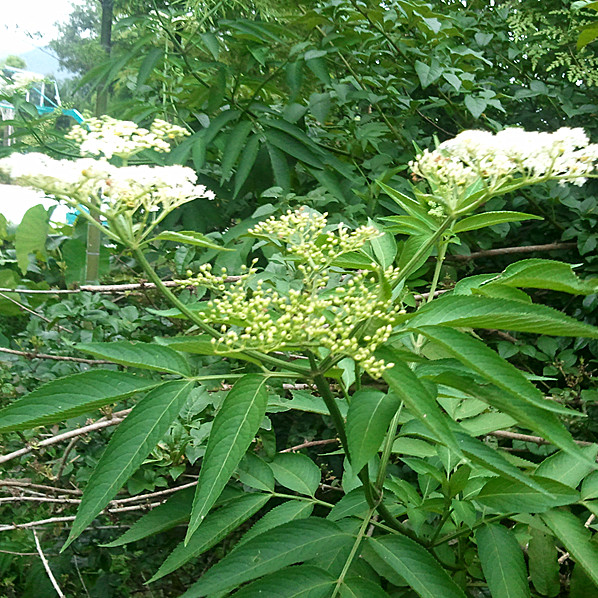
x=32, y=355
x=510, y=250
x=528, y=438
x=33, y=313
x=310, y=443
x=47, y=566
x=23, y=484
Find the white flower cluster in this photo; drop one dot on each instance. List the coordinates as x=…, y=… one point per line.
x=108, y=137
x=350, y=320
x=87, y=180
x=510, y=155
x=20, y=81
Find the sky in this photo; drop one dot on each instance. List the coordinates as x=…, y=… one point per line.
x=22, y=20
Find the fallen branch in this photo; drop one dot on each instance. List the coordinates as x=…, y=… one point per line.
x=510, y=250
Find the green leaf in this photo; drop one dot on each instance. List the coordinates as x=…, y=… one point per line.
x=148, y=65
x=199, y=344
x=68, y=397
x=31, y=235
x=483, y=360
x=246, y=162
x=576, y=538
x=543, y=563
x=567, y=469
x=368, y=418
x=411, y=206
x=233, y=429
x=359, y=587
x=189, y=237
x=384, y=247
x=417, y=566
x=217, y=525
x=235, y=144
x=587, y=36
x=296, y=472
x=502, y=562
x=280, y=167
x=130, y=444
x=294, y=148
x=485, y=219
x=475, y=105
x=546, y=274
x=303, y=581
x=174, y=511
x=505, y=496
x=474, y=311
x=290, y=510
x=405, y=384
x=280, y=547
x=255, y=472
x=147, y=356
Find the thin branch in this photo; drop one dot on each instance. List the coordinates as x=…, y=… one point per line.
x=528, y=438
x=20, y=484
x=33, y=355
x=33, y=313
x=310, y=443
x=98, y=425
x=47, y=566
x=510, y=250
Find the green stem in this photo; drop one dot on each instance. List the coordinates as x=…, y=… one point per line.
x=467, y=531
x=311, y=499
x=354, y=549
x=439, y=261
x=387, y=448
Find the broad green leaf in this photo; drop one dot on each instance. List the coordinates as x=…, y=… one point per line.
x=475, y=311
x=589, y=487
x=287, y=511
x=502, y=562
x=567, y=469
x=406, y=225
x=303, y=581
x=581, y=586
x=502, y=495
x=236, y=142
x=296, y=472
x=130, y=444
x=413, y=447
x=147, y=66
x=280, y=547
x=368, y=418
x=233, y=429
x=384, y=248
x=353, y=504
x=546, y=274
x=304, y=401
x=543, y=563
x=475, y=105
x=217, y=525
x=405, y=384
x=147, y=356
x=246, y=162
x=576, y=538
x=360, y=587
x=71, y=396
x=417, y=566
x=189, y=237
x=484, y=361
x=255, y=472
x=478, y=221
x=174, y=511
x=31, y=235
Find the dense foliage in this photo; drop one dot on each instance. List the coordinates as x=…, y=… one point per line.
x=372, y=393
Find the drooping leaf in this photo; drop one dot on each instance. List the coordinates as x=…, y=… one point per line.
x=502, y=495
x=502, y=562
x=417, y=566
x=302, y=581
x=576, y=538
x=217, y=525
x=246, y=162
x=71, y=396
x=475, y=311
x=148, y=65
x=147, y=356
x=296, y=472
x=405, y=384
x=293, y=147
x=30, y=236
x=368, y=418
x=233, y=429
x=287, y=511
x=129, y=446
x=174, y=511
x=280, y=547
x=543, y=563
x=280, y=167
x=485, y=219
x=234, y=146
x=189, y=237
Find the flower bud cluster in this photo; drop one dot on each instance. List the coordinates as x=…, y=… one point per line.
x=512, y=154
x=108, y=137
x=350, y=320
x=112, y=189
